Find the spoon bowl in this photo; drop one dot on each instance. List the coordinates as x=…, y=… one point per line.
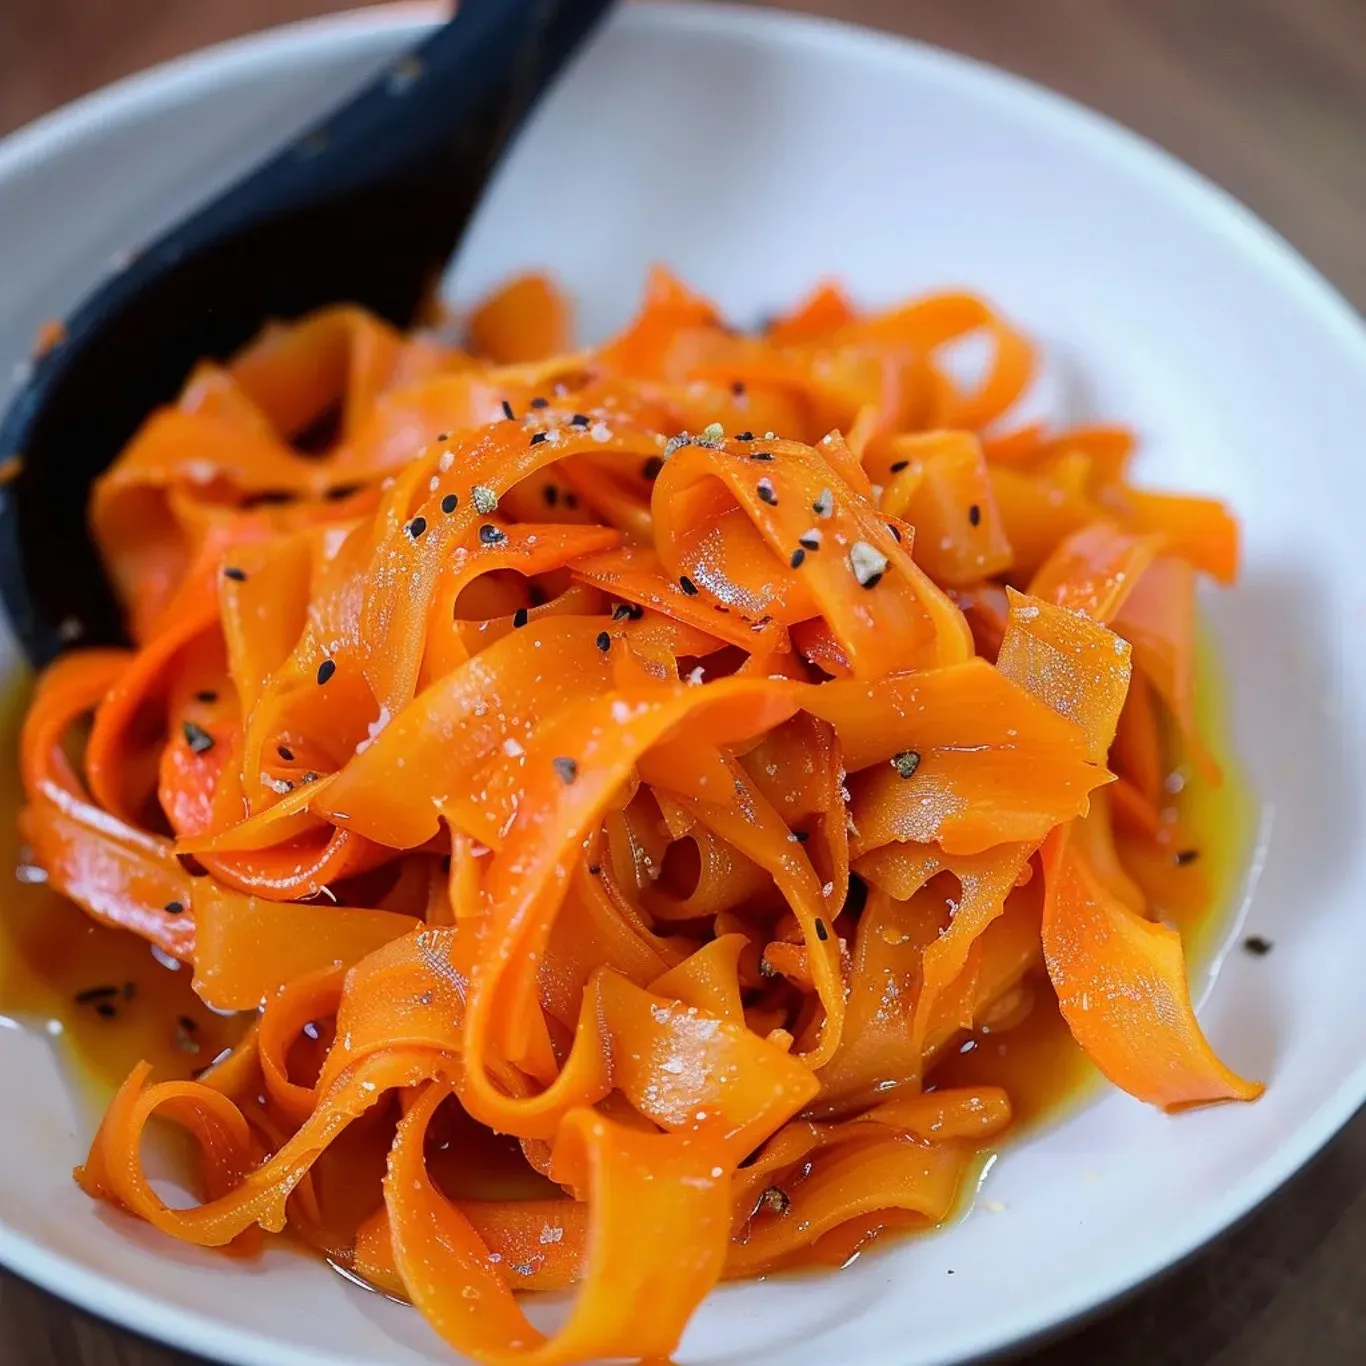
x=364, y=207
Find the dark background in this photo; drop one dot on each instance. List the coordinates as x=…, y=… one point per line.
x=1268, y=97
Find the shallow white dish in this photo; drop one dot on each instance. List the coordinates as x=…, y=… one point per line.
x=754, y=153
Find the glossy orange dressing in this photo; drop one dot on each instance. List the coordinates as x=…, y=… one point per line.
x=101, y=995
x=51, y=954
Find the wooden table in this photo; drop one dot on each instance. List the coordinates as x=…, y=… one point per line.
x=1268, y=97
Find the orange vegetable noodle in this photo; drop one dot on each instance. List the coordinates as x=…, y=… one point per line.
x=641, y=765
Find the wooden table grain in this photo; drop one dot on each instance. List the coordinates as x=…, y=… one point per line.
x=1268, y=97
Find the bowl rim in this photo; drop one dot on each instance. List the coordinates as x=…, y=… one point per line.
x=173, y=81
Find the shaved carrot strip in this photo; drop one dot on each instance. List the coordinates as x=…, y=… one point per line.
x=528, y=319
x=1121, y=983
x=1072, y=664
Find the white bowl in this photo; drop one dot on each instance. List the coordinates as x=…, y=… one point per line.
x=754, y=153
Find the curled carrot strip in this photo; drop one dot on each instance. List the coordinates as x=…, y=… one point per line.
x=1049, y=650
x=1121, y=983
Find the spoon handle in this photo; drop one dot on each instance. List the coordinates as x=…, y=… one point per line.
x=448, y=106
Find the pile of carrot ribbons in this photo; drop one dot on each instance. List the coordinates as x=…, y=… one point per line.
x=660, y=754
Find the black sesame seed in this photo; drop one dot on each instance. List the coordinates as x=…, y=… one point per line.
x=198, y=739
x=519, y=617
x=91, y=994
x=1257, y=946
x=208, y=697
x=579, y=420
x=761, y=455
x=872, y=580
x=906, y=762
x=571, y=499
x=651, y=468
x=187, y=1024
x=737, y=387
x=799, y=836
x=1185, y=856
x=627, y=611
x=551, y=494
x=416, y=527
x=107, y=1009
x=491, y=535
x=899, y=465
x=507, y=411
x=604, y=641
x=566, y=769
x=744, y=436
x=235, y=574
x=449, y=503
x=268, y=498
x=821, y=932
x=540, y=403
x=285, y=753
x=975, y=515
x=326, y=669
x=896, y=534
x=538, y=437
x=766, y=493
x=687, y=585
x=594, y=869
x=339, y=491
x=798, y=556
x=443, y=436
x=174, y=908
x=811, y=542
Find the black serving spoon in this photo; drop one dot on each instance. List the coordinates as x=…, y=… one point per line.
x=365, y=207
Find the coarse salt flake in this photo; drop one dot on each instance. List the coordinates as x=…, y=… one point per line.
x=867, y=562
